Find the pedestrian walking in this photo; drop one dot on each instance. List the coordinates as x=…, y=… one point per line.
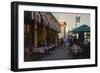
x=62, y=43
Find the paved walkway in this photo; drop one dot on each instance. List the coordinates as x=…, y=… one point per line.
x=58, y=54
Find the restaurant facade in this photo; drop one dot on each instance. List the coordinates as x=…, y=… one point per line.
x=40, y=27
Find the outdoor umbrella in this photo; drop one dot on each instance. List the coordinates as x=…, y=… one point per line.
x=83, y=28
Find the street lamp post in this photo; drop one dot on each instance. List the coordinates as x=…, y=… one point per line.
x=65, y=28
x=77, y=21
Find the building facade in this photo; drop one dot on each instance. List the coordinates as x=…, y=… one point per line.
x=40, y=26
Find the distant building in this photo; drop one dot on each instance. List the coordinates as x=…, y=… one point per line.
x=63, y=29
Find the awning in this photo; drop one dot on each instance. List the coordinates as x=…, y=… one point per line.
x=44, y=18
x=53, y=24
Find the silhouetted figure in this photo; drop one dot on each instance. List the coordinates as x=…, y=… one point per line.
x=62, y=43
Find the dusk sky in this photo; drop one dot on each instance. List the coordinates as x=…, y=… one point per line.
x=70, y=19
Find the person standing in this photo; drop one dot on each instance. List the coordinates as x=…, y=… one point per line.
x=65, y=42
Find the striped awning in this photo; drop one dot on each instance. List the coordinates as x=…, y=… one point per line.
x=52, y=24
x=44, y=18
